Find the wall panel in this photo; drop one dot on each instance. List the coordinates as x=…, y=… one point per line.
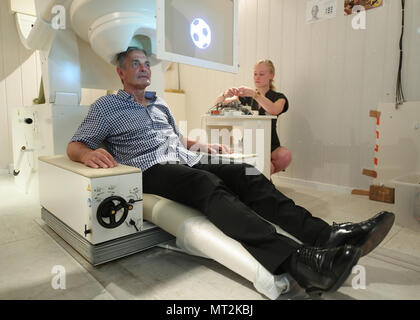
x=263, y=28
x=332, y=74
x=20, y=74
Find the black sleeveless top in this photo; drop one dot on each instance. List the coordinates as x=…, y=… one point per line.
x=273, y=96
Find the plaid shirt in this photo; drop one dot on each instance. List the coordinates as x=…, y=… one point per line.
x=134, y=135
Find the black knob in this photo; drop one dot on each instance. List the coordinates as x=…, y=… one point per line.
x=109, y=209
x=28, y=121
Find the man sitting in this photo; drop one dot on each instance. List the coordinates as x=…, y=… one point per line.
x=138, y=129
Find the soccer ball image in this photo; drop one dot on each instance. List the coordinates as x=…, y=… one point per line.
x=200, y=33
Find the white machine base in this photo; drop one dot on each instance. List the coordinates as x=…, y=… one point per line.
x=107, y=251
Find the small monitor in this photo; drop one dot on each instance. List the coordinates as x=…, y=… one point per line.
x=201, y=33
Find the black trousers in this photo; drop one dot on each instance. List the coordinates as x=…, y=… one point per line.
x=235, y=201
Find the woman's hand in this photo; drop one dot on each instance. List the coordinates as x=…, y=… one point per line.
x=245, y=92
x=229, y=93
x=228, y=96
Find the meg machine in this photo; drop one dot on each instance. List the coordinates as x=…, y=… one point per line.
x=103, y=213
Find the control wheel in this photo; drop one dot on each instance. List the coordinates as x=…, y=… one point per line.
x=112, y=212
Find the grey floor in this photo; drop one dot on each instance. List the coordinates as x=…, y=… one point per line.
x=30, y=251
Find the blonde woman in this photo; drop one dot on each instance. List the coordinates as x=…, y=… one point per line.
x=268, y=102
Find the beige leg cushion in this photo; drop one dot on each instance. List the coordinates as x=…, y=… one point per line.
x=196, y=235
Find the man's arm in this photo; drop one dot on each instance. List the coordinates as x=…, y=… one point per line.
x=99, y=158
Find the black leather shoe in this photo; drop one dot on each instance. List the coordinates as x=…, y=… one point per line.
x=366, y=235
x=323, y=270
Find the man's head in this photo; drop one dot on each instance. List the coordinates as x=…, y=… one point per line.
x=133, y=67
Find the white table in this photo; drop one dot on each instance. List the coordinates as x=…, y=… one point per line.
x=256, y=132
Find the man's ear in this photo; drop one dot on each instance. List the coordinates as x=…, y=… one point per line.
x=120, y=73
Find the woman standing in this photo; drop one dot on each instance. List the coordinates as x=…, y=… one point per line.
x=268, y=102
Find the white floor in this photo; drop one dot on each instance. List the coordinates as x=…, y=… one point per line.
x=29, y=251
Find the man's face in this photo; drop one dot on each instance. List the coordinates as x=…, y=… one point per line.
x=136, y=73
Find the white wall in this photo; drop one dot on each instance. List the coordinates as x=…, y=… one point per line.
x=399, y=142
x=20, y=74
x=333, y=75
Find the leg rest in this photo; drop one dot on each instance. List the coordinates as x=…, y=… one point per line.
x=198, y=236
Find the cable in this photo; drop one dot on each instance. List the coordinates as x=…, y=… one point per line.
x=400, y=99
x=133, y=223
x=133, y=201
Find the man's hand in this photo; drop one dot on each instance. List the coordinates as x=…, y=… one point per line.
x=194, y=145
x=99, y=158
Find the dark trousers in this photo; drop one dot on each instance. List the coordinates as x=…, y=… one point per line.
x=235, y=202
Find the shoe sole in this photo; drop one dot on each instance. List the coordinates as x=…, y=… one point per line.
x=346, y=272
x=341, y=279
x=378, y=234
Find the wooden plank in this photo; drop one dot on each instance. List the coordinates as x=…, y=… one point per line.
x=374, y=114
x=382, y=194
x=370, y=173
x=360, y=192
x=174, y=91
